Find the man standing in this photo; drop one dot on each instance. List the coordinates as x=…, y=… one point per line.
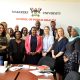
x=53, y=28
x=69, y=30
x=39, y=30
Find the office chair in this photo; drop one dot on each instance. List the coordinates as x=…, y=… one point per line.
x=72, y=76
x=47, y=61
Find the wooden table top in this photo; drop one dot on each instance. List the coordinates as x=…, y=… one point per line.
x=23, y=74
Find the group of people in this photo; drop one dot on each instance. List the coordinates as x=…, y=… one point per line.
x=29, y=47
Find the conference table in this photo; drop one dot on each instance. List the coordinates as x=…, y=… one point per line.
x=23, y=74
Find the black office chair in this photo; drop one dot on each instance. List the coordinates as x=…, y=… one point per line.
x=72, y=76
x=47, y=61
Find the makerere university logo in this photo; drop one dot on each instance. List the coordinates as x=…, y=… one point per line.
x=35, y=11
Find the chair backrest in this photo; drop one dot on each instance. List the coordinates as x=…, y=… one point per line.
x=47, y=61
x=72, y=76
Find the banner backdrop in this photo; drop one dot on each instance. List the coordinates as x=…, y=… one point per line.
x=25, y=12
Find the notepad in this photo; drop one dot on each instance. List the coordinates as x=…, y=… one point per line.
x=25, y=66
x=37, y=73
x=32, y=67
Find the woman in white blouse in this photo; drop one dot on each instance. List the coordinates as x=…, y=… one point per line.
x=48, y=40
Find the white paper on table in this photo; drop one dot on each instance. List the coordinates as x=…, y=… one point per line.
x=37, y=73
x=14, y=68
x=32, y=67
x=25, y=66
x=3, y=69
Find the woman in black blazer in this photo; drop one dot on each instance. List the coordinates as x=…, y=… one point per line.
x=17, y=49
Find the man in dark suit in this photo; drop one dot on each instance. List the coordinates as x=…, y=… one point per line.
x=39, y=30
x=53, y=27
x=69, y=30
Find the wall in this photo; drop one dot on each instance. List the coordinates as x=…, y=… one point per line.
x=69, y=12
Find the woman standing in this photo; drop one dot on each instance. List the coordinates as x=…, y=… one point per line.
x=17, y=49
x=24, y=32
x=72, y=52
x=57, y=53
x=3, y=44
x=48, y=41
x=11, y=33
x=33, y=45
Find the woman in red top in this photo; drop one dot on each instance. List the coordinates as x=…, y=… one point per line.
x=33, y=45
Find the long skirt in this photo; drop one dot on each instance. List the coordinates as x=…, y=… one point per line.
x=32, y=59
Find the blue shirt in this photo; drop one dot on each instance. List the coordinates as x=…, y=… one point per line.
x=47, y=42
